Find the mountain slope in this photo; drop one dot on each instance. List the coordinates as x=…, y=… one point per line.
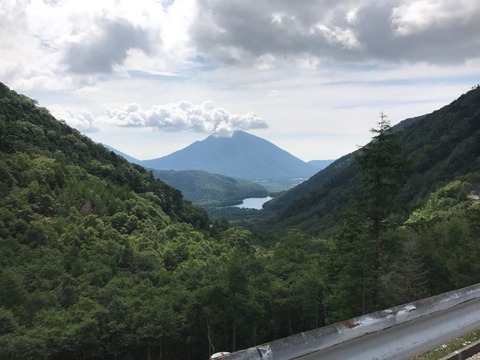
x=205, y=189
x=98, y=260
x=25, y=127
x=82, y=238
x=442, y=146
x=243, y=156
x=122, y=154
x=320, y=164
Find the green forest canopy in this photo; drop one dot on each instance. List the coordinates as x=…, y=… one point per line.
x=98, y=260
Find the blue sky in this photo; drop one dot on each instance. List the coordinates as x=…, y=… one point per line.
x=149, y=77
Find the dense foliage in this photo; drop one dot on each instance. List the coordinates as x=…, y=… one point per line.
x=382, y=170
x=98, y=260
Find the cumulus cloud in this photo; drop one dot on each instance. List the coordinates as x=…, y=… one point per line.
x=185, y=116
x=73, y=41
x=99, y=54
x=433, y=31
x=413, y=17
x=83, y=121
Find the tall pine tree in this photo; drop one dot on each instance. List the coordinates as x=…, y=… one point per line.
x=383, y=170
x=361, y=250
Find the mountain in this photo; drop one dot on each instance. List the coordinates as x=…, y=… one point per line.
x=441, y=146
x=99, y=260
x=203, y=188
x=207, y=190
x=320, y=164
x=88, y=246
x=122, y=154
x=56, y=152
x=242, y=155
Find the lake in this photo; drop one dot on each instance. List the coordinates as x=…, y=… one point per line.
x=254, y=203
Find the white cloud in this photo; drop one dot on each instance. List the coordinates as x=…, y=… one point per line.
x=185, y=116
x=107, y=49
x=354, y=31
x=82, y=120
x=415, y=16
x=72, y=41
x=351, y=16
x=75, y=42
x=345, y=37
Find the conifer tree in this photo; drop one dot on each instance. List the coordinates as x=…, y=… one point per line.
x=383, y=170
x=361, y=252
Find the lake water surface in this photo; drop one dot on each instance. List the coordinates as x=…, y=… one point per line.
x=254, y=203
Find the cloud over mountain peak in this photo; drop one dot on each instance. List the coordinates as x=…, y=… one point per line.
x=185, y=116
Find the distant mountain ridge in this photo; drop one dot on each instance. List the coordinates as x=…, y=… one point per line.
x=242, y=156
x=320, y=164
x=122, y=154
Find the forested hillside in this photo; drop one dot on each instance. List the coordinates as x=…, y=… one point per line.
x=440, y=147
x=98, y=260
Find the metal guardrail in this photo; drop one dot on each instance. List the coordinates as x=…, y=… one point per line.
x=318, y=340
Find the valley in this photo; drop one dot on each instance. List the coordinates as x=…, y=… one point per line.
x=180, y=179
x=215, y=191
x=99, y=259
x=253, y=203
